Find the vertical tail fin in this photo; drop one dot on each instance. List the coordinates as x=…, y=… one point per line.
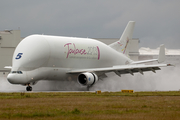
x=161, y=57
x=122, y=44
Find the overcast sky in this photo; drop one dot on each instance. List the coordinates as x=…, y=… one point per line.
x=157, y=21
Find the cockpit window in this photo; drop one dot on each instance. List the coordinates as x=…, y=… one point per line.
x=18, y=72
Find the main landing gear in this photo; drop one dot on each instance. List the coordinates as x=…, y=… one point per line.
x=29, y=88
x=88, y=87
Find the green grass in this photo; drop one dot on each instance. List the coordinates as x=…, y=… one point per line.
x=88, y=105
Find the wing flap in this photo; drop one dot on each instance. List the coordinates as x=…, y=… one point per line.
x=136, y=70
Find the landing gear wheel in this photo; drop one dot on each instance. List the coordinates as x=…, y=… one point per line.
x=29, y=88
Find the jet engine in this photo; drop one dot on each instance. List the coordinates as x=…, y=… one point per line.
x=87, y=79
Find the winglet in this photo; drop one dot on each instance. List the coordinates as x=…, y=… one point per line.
x=161, y=57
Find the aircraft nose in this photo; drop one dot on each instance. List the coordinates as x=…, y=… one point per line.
x=11, y=78
x=17, y=77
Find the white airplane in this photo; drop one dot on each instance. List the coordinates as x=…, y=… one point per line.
x=43, y=57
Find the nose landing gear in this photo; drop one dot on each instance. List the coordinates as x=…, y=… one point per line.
x=29, y=88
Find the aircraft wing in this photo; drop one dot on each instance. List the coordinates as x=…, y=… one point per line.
x=7, y=69
x=123, y=69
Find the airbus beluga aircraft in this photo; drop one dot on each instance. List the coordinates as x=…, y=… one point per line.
x=43, y=57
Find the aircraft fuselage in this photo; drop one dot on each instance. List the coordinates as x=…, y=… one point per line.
x=42, y=57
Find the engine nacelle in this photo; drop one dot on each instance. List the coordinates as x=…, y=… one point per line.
x=87, y=79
